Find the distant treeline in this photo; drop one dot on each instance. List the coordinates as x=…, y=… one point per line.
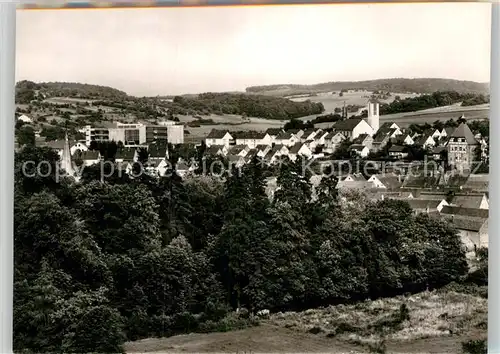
x=436, y=99
x=424, y=85
x=26, y=91
x=245, y=105
x=476, y=126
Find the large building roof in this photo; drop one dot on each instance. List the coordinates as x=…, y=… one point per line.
x=463, y=131
x=250, y=134
x=58, y=144
x=467, y=224
x=217, y=134
x=468, y=200
x=347, y=125
x=465, y=212
x=416, y=203
x=389, y=180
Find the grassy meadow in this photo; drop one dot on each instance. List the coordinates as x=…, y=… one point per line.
x=428, y=322
x=331, y=101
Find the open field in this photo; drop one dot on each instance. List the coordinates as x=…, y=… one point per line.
x=229, y=122
x=405, y=119
x=264, y=339
x=437, y=323
x=66, y=100
x=360, y=98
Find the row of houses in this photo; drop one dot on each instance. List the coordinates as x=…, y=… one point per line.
x=457, y=146
x=242, y=154
x=272, y=136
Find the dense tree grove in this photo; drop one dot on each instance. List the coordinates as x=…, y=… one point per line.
x=26, y=91
x=436, y=99
x=101, y=262
x=249, y=105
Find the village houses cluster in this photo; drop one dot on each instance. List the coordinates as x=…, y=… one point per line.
x=455, y=145
x=466, y=208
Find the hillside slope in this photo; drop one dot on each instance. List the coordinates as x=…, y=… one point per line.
x=28, y=90
x=421, y=85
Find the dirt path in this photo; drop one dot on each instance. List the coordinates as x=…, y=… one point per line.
x=264, y=338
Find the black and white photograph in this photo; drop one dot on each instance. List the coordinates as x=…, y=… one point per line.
x=293, y=178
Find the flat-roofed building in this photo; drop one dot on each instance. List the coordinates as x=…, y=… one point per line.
x=133, y=134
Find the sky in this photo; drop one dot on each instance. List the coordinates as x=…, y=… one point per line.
x=169, y=51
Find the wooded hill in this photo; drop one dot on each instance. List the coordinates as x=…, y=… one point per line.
x=400, y=85
x=28, y=90
x=248, y=105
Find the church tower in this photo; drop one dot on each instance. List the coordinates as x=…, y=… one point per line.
x=373, y=114
x=66, y=157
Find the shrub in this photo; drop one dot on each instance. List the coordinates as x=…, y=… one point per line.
x=316, y=330
x=475, y=346
x=228, y=323
x=404, y=313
